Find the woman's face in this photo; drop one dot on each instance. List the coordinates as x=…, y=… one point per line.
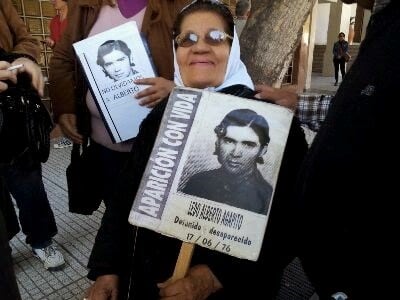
x=202, y=65
x=58, y=4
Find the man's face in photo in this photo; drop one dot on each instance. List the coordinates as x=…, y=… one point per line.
x=239, y=149
x=117, y=64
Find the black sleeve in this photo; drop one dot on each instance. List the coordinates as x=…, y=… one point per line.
x=114, y=240
x=278, y=248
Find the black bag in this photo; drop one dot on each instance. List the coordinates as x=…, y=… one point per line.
x=25, y=124
x=84, y=192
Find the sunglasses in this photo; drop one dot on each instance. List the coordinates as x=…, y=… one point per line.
x=214, y=37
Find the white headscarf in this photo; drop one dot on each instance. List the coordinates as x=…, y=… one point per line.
x=236, y=72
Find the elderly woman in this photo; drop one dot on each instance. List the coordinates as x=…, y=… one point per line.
x=207, y=56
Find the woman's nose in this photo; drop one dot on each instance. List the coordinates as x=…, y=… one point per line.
x=200, y=46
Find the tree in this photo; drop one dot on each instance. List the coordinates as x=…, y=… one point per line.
x=271, y=36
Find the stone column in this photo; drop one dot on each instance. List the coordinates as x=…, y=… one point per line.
x=311, y=43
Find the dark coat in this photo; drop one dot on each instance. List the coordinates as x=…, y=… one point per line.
x=348, y=185
x=252, y=193
x=154, y=256
x=7, y=209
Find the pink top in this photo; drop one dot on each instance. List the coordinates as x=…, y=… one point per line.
x=108, y=18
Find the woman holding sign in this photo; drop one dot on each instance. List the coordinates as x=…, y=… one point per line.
x=207, y=56
x=73, y=105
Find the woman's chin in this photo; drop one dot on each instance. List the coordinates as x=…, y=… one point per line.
x=203, y=84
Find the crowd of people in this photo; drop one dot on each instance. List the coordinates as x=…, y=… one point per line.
x=332, y=201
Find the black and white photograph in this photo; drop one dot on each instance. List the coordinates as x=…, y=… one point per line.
x=241, y=141
x=212, y=172
x=112, y=60
x=116, y=60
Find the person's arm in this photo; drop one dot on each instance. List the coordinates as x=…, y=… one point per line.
x=6, y=75
x=199, y=283
x=114, y=241
x=334, y=50
x=104, y=288
x=278, y=96
x=23, y=42
x=50, y=40
x=159, y=89
x=33, y=69
x=24, y=46
x=62, y=81
x=345, y=47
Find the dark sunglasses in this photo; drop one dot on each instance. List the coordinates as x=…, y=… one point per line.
x=214, y=37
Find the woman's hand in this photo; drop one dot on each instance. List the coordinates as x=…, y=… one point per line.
x=198, y=284
x=34, y=72
x=158, y=90
x=278, y=96
x=50, y=42
x=68, y=126
x=6, y=75
x=104, y=288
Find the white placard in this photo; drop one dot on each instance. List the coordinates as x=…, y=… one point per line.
x=191, y=191
x=112, y=61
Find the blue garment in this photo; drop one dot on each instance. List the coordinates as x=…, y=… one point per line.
x=35, y=214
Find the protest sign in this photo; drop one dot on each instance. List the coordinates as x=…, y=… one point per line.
x=112, y=61
x=212, y=172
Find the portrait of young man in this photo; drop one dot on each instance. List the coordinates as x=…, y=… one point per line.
x=114, y=57
x=242, y=138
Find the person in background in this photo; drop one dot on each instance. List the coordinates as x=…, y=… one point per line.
x=340, y=49
x=58, y=23
x=242, y=12
x=73, y=106
x=23, y=178
x=57, y=26
x=347, y=216
x=135, y=263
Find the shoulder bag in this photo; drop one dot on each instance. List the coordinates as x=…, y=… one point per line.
x=84, y=194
